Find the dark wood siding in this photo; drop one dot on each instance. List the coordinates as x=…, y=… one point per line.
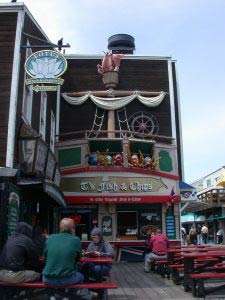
x=31, y=29
x=147, y=75
x=177, y=120
x=7, y=39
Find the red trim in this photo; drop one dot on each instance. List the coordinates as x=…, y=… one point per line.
x=118, y=170
x=131, y=242
x=117, y=199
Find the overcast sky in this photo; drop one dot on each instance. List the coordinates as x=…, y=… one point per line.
x=191, y=31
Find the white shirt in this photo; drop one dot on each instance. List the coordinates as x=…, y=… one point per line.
x=204, y=229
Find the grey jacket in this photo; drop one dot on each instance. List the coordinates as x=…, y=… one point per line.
x=103, y=247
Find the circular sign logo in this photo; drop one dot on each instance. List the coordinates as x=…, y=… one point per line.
x=45, y=64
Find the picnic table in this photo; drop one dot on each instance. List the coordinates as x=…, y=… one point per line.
x=208, y=258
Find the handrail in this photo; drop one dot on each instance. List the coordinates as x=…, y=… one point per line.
x=125, y=132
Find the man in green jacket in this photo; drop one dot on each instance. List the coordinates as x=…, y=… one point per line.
x=61, y=253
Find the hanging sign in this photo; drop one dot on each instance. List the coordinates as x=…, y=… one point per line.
x=45, y=67
x=13, y=212
x=107, y=226
x=170, y=227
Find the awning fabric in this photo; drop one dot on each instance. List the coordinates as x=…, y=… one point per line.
x=188, y=218
x=193, y=206
x=191, y=217
x=216, y=218
x=48, y=187
x=185, y=186
x=116, y=102
x=54, y=192
x=187, y=192
x=221, y=183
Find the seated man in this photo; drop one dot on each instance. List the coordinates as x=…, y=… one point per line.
x=61, y=253
x=159, y=244
x=17, y=255
x=99, y=247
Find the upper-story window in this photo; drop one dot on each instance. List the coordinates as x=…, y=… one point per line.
x=208, y=182
x=43, y=109
x=27, y=94
x=52, y=132
x=217, y=179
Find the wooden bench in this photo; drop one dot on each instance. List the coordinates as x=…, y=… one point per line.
x=198, y=288
x=161, y=268
x=7, y=290
x=178, y=270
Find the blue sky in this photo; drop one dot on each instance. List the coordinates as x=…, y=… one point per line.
x=192, y=32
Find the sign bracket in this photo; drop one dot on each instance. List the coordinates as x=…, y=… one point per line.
x=59, y=45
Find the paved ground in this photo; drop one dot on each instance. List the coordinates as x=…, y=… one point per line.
x=135, y=284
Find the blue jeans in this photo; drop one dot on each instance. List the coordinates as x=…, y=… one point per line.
x=96, y=271
x=102, y=270
x=76, y=278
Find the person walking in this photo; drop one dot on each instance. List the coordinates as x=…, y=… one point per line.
x=183, y=235
x=204, y=233
x=18, y=256
x=159, y=245
x=193, y=236
x=220, y=235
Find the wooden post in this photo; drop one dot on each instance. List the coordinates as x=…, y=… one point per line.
x=111, y=123
x=111, y=117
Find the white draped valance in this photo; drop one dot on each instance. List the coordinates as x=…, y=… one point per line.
x=115, y=103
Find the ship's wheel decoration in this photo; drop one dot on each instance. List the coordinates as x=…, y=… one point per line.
x=143, y=123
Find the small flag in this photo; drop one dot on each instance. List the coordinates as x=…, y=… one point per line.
x=172, y=197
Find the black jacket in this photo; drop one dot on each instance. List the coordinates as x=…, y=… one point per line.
x=19, y=251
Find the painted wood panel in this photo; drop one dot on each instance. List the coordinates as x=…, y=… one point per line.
x=148, y=75
x=31, y=29
x=7, y=38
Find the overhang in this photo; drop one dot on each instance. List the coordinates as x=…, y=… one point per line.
x=7, y=172
x=47, y=187
x=194, y=206
x=187, y=192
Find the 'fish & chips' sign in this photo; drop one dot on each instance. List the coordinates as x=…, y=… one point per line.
x=45, y=67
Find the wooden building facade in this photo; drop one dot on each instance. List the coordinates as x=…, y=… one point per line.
x=120, y=149
x=27, y=128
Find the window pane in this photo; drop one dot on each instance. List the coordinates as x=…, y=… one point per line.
x=127, y=224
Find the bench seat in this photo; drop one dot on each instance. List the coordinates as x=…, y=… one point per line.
x=207, y=275
x=7, y=289
x=198, y=288
x=161, y=262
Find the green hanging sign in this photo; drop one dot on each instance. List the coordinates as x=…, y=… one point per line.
x=13, y=212
x=107, y=226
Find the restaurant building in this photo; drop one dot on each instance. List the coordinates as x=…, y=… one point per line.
x=119, y=144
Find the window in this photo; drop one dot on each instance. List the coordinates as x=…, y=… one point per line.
x=127, y=227
x=27, y=94
x=208, y=182
x=217, y=179
x=43, y=108
x=52, y=132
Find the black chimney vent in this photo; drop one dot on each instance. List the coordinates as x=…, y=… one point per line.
x=121, y=43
